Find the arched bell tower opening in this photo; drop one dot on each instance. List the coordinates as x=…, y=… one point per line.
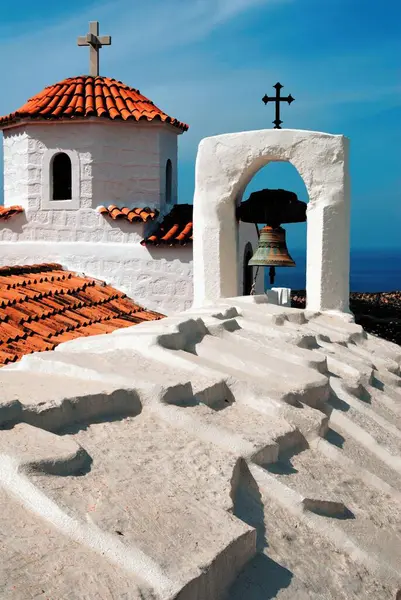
x=279, y=176
x=225, y=165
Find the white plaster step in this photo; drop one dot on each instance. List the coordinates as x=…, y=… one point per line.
x=344, y=363
x=54, y=401
x=257, y=343
x=278, y=374
x=32, y=449
x=363, y=448
x=156, y=486
x=382, y=348
x=385, y=386
x=355, y=470
x=259, y=307
x=385, y=378
x=366, y=515
x=356, y=332
x=295, y=336
x=384, y=405
x=384, y=432
x=270, y=314
x=379, y=363
x=249, y=387
x=327, y=332
x=326, y=533
x=265, y=435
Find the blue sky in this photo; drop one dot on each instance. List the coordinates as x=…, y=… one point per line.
x=209, y=62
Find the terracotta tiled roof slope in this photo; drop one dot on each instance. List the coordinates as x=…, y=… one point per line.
x=44, y=305
x=9, y=211
x=129, y=214
x=87, y=96
x=175, y=229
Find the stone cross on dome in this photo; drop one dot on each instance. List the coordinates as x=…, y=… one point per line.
x=95, y=42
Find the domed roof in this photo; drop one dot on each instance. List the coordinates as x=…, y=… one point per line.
x=87, y=96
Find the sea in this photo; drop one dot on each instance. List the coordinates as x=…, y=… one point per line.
x=371, y=270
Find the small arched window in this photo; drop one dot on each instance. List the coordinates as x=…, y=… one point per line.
x=247, y=277
x=61, y=177
x=169, y=181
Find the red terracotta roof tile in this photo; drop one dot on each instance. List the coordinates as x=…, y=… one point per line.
x=86, y=96
x=144, y=315
x=8, y=356
x=66, y=337
x=132, y=215
x=41, y=328
x=9, y=211
x=42, y=306
x=174, y=230
x=9, y=331
x=76, y=316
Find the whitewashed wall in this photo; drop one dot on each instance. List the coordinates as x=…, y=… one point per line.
x=16, y=174
x=159, y=278
x=122, y=163
x=119, y=163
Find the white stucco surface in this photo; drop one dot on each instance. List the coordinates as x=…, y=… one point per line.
x=122, y=163
x=238, y=452
x=225, y=164
x=160, y=278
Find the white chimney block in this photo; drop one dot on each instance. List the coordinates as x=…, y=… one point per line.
x=279, y=296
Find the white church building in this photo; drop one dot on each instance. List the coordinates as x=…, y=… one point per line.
x=90, y=181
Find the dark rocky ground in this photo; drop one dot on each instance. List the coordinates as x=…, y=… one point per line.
x=379, y=313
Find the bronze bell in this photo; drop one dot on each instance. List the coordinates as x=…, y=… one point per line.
x=272, y=251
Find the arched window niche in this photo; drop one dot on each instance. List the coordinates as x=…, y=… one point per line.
x=169, y=181
x=61, y=177
x=60, y=180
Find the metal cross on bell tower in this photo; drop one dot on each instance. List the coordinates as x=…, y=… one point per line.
x=95, y=42
x=277, y=99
